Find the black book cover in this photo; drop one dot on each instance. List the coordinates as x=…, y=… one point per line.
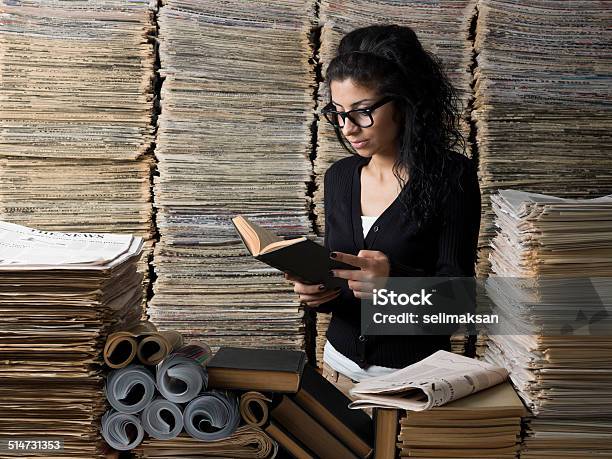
x=259, y=359
x=337, y=404
x=307, y=260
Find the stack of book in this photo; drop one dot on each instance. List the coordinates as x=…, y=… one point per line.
x=542, y=112
x=483, y=425
x=551, y=288
x=60, y=294
x=76, y=111
x=307, y=415
x=233, y=137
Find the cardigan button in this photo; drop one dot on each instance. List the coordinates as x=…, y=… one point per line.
x=375, y=229
x=362, y=338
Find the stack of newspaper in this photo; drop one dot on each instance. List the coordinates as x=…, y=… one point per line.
x=234, y=138
x=541, y=109
x=246, y=442
x=442, y=28
x=76, y=110
x=456, y=407
x=60, y=295
x=552, y=289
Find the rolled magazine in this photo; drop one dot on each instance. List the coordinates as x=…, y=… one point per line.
x=162, y=419
x=129, y=390
x=212, y=416
x=181, y=376
x=121, y=431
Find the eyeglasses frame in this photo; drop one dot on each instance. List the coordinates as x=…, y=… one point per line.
x=344, y=115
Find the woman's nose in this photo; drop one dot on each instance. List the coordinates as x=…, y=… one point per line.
x=349, y=127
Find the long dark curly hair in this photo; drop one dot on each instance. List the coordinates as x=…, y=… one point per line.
x=391, y=60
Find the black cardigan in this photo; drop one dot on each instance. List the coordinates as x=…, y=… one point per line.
x=444, y=247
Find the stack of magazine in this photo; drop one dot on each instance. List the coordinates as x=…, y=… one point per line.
x=552, y=265
x=60, y=293
x=541, y=108
x=233, y=137
x=77, y=102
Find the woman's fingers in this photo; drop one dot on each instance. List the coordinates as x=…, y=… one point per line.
x=353, y=260
x=305, y=289
x=363, y=295
x=360, y=286
x=324, y=299
x=318, y=296
x=350, y=274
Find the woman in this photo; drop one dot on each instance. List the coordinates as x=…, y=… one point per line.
x=403, y=204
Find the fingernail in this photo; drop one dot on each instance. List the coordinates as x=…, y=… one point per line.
x=333, y=254
x=321, y=287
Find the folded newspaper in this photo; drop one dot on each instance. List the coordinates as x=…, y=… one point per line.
x=23, y=248
x=434, y=381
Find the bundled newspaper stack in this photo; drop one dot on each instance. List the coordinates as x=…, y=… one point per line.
x=542, y=94
x=234, y=137
x=552, y=289
x=246, y=442
x=60, y=295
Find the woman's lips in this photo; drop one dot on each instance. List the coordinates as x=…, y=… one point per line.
x=359, y=144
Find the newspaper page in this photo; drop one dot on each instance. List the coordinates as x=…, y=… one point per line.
x=28, y=248
x=434, y=381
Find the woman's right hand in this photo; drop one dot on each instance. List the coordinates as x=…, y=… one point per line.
x=312, y=295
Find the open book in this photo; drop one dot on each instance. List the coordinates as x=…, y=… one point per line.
x=434, y=381
x=300, y=257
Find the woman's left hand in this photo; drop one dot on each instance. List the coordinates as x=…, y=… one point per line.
x=374, y=268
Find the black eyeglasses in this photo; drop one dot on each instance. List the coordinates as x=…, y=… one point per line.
x=362, y=117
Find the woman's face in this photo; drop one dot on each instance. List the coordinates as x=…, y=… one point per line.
x=379, y=139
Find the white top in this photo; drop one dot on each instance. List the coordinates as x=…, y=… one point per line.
x=347, y=367
x=366, y=223
x=339, y=361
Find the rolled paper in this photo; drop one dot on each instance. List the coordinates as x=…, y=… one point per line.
x=121, y=431
x=129, y=390
x=162, y=419
x=154, y=348
x=143, y=328
x=120, y=349
x=254, y=408
x=212, y=416
x=181, y=376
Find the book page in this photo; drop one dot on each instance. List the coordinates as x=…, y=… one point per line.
x=255, y=237
x=434, y=381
